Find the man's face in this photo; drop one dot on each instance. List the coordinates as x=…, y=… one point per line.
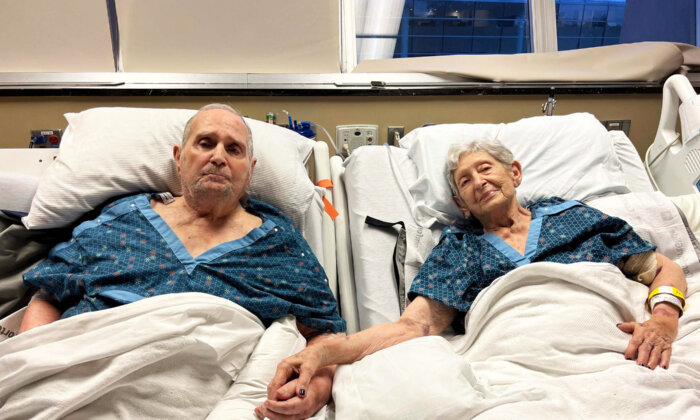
x=214, y=161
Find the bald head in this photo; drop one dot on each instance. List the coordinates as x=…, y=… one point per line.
x=215, y=106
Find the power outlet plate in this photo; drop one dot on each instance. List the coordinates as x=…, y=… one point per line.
x=46, y=138
x=354, y=136
x=623, y=125
x=391, y=134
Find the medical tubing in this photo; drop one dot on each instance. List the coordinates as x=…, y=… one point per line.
x=335, y=147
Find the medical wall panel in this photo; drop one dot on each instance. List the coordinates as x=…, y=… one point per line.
x=237, y=36
x=55, y=36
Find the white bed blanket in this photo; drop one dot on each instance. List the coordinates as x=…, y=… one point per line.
x=171, y=356
x=541, y=342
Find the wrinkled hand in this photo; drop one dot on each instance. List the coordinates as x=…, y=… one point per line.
x=305, y=364
x=651, y=341
x=300, y=398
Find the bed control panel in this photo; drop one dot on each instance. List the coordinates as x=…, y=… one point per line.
x=350, y=137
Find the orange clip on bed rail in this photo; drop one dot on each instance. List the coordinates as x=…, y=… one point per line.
x=327, y=206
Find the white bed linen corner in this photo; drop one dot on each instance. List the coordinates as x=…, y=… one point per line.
x=170, y=356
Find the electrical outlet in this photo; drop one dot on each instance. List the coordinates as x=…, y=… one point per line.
x=391, y=132
x=623, y=125
x=45, y=138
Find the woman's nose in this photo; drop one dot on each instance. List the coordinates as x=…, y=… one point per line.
x=479, y=181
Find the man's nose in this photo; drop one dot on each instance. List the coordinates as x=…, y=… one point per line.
x=218, y=154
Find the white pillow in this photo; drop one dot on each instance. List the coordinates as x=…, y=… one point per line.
x=117, y=151
x=569, y=156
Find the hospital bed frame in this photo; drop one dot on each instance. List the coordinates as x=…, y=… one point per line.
x=673, y=160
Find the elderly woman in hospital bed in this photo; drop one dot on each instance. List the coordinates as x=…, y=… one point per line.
x=498, y=236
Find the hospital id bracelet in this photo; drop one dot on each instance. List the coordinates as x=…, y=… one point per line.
x=669, y=290
x=665, y=297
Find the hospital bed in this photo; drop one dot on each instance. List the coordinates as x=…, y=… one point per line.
x=536, y=344
x=98, y=363
x=673, y=159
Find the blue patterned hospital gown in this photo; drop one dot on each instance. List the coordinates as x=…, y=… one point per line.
x=129, y=253
x=467, y=260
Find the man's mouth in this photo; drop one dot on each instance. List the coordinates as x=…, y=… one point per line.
x=216, y=176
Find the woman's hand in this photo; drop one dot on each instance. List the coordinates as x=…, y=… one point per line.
x=651, y=340
x=284, y=403
x=305, y=364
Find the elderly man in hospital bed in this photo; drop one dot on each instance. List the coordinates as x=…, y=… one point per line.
x=499, y=236
x=210, y=240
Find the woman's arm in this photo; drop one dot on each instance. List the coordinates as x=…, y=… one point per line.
x=39, y=312
x=651, y=340
x=422, y=317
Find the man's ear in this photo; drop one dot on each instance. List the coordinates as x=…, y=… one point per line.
x=177, y=150
x=517, y=171
x=250, y=172
x=461, y=206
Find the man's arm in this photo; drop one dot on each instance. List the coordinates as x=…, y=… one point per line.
x=651, y=340
x=39, y=312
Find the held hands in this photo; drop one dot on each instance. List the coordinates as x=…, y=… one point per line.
x=298, y=398
x=651, y=340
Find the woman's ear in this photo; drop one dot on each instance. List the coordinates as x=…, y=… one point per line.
x=517, y=171
x=462, y=206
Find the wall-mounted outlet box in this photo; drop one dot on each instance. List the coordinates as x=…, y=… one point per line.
x=622, y=125
x=357, y=135
x=45, y=138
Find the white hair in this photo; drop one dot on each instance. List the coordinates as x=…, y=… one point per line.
x=491, y=146
x=186, y=131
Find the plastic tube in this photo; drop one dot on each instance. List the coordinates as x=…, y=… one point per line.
x=335, y=147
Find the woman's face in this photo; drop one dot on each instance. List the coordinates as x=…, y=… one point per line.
x=484, y=184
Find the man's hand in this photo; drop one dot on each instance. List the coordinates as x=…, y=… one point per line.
x=651, y=341
x=284, y=402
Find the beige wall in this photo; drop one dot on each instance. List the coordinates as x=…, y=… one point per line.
x=18, y=115
x=241, y=36
x=54, y=36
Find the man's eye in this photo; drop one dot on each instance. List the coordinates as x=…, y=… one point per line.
x=235, y=150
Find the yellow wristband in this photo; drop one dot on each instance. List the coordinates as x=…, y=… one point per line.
x=669, y=290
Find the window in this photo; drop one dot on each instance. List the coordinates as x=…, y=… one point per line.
x=427, y=27
x=588, y=23
x=414, y=28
